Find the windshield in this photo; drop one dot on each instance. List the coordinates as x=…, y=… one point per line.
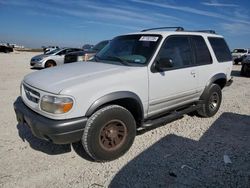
x=239, y=51
x=100, y=45
x=53, y=51
x=130, y=49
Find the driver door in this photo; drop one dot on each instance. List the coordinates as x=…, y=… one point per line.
x=176, y=85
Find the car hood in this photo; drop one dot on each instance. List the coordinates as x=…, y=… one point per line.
x=56, y=79
x=40, y=56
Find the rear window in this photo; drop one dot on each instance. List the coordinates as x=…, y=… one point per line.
x=220, y=48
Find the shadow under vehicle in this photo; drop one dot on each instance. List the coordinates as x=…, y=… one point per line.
x=176, y=161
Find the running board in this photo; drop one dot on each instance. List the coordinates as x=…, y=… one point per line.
x=150, y=124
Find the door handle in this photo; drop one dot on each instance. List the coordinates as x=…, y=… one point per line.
x=193, y=73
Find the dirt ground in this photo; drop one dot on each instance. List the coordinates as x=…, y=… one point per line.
x=189, y=152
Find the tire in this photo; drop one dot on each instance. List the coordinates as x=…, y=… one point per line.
x=50, y=63
x=243, y=70
x=212, y=102
x=109, y=133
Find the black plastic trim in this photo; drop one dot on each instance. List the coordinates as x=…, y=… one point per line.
x=112, y=97
x=210, y=82
x=58, y=131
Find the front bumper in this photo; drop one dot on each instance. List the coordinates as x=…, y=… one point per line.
x=56, y=131
x=36, y=64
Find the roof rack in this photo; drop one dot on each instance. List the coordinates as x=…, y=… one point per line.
x=158, y=28
x=179, y=29
x=205, y=31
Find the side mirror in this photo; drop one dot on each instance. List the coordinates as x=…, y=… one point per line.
x=163, y=64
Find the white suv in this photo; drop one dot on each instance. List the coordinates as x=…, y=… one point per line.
x=137, y=80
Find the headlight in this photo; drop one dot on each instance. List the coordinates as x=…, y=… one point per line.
x=56, y=105
x=39, y=59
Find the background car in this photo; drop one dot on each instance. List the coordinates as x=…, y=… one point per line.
x=87, y=47
x=49, y=49
x=238, y=54
x=85, y=55
x=6, y=49
x=245, y=69
x=98, y=47
x=74, y=57
x=50, y=59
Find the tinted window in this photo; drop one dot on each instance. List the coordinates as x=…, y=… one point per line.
x=178, y=49
x=221, y=49
x=201, y=51
x=100, y=45
x=62, y=52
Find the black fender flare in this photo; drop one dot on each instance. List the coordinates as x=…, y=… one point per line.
x=112, y=97
x=210, y=82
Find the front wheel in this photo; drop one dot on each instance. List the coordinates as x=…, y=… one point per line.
x=109, y=133
x=50, y=63
x=212, y=102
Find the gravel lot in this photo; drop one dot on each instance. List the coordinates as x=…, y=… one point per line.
x=186, y=153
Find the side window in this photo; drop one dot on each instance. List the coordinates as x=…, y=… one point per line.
x=202, y=53
x=220, y=48
x=69, y=50
x=62, y=52
x=178, y=50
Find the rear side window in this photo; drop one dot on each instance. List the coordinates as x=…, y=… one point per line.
x=221, y=49
x=202, y=53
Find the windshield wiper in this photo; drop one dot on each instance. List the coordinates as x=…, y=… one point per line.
x=120, y=60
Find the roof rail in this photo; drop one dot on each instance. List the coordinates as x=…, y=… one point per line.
x=157, y=28
x=205, y=31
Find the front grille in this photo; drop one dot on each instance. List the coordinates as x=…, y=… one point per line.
x=31, y=94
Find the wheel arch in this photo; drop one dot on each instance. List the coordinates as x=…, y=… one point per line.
x=126, y=99
x=219, y=79
x=51, y=61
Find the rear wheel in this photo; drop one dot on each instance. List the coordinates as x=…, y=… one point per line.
x=212, y=102
x=242, y=71
x=236, y=62
x=245, y=70
x=109, y=133
x=50, y=63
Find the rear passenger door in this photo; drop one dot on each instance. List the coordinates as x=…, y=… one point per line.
x=178, y=84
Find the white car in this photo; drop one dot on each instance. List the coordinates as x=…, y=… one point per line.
x=52, y=58
x=239, y=54
x=137, y=80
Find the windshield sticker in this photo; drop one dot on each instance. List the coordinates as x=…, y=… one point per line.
x=149, y=38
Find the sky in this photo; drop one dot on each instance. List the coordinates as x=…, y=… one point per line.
x=73, y=23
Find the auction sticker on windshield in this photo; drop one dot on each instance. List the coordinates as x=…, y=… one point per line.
x=149, y=38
